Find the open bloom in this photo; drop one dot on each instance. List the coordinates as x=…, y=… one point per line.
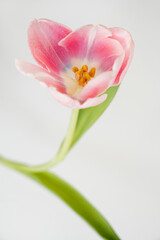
x=78, y=66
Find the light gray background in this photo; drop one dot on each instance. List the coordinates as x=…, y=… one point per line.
x=116, y=165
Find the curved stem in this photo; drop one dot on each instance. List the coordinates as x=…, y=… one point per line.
x=63, y=150
x=72, y=198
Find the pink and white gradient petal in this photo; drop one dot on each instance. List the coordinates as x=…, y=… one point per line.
x=104, y=49
x=70, y=102
x=40, y=74
x=79, y=42
x=43, y=38
x=98, y=85
x=127, y=43
x=76, y=43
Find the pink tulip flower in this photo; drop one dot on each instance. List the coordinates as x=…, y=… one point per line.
x=77, y=66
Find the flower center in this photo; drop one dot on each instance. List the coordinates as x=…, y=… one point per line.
x=82, y=75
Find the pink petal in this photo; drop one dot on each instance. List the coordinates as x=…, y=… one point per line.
x=40, y=74
x=91, y=102
x=95, y=44
x=97, y=85
x=104, y=49
x=127, y=43
x=76, y=43
x=75, y=104
x=79, y=42
x=43, y=37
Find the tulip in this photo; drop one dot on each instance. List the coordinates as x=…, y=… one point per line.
x=77, y=66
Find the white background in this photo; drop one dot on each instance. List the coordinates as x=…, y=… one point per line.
x=116, y=165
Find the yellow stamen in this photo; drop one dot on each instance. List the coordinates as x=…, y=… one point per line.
x=92, y=72
x=82, y=82
x=83, y=76
x=86, y=76
x=85, y=68
x=77, y=75
x=75, y=69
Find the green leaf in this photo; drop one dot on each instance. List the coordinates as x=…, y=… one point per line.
x=88, y=116
x=77, y=202
x=71, y=197
x=81, y=121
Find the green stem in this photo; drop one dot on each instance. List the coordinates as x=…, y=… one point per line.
x=63, y=150
x=72, y=198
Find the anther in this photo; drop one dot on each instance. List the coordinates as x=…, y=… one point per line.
x=85, y=68
x=75, y=69
x=86, y=76
x=82, y=82
x=92, y=72
x=82, y=75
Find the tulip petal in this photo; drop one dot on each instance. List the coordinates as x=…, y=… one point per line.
x=94, y=45
x=127, y=43
x=40, y=74
x=74, y=103
x=91, y=102
x=97, y=85
x=104, y=49
x=43, y=37
x=78, y=42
